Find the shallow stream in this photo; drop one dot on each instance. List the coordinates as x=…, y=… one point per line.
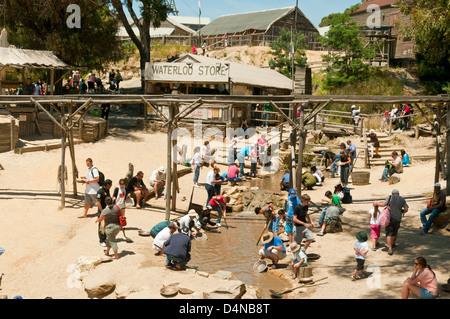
x=235, y=250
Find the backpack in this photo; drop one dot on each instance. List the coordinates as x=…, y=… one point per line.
x=385, y=216
x=347, y=199
x=101, y=177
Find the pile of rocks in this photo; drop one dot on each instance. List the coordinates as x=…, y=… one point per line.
x=108, y=281
x=246, y=199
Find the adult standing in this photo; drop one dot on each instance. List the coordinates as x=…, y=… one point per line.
x=29, y=87
x=241, y=155
x=291, y=203
x=302, y=222
x=92, y=186
x=351, y=153
x=422, y=282
x=118, y=78
x=137, y=187
x=197, y=163
x=112, y=226
x=262, y=149
x=102, y=194
x=232, y=152
x=392, y=167
x=177, y=250
x=437, y=205
x=398, y=207
x=356, y=117
x=106, y=107
x=345, y=162
x=210, y=183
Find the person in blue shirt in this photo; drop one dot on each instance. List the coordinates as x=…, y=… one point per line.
x=351, y=152
x=289, y=206
x=405, y=158
x=284, y=183
x=243, y=153
x=274, y=225
x=273, y=249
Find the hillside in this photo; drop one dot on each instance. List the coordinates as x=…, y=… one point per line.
x=257, y=56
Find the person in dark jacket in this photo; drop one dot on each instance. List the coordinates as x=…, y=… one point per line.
x=177, y=249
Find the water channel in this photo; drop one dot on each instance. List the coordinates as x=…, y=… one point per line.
x=235, y=250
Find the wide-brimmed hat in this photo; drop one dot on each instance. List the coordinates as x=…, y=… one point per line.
x=437, y=185
x=361, y=236
x=267, y=238
x=303, y=171
x=294, y=247
x=192, y=213
x=162, y=169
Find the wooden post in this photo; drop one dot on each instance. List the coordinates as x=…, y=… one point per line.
x=72, y=156
x=301, y=147
x=63, y=160
x=293, y=139
x=366, y=148
x=447, y=148
x=437, y=127
x=52, y=81
x=169, y=163
x=13, y=124
x=390, y=126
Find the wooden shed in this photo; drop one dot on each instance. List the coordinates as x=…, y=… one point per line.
x=9, y=133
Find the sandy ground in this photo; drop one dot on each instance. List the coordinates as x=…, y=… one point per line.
x=42, y=243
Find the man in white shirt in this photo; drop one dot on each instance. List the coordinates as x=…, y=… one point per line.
x=163, y=236
x=392, y=167
x=92, y=187
x=158, y=181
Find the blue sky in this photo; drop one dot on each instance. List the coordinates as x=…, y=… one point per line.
x=314, y=10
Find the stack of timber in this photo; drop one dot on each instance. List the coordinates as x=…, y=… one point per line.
x=9, y=133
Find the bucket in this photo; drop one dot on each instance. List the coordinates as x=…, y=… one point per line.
x=360, y=178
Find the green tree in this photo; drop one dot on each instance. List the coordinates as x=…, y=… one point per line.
x=281, y=50
x=42, y=25
x=348, y=52
x=325, y=22
x=152, y=13
x=429, y=29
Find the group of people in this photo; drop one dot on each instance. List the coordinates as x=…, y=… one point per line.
x=30, y=88
x=401, y=116
x=92, y=83
x=110, y=207
x=342, y=163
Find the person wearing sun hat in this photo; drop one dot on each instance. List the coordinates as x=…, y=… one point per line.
x=308, y=180
x=298, y=258
x=273, y=249
x=434, y=208
x=361, y=249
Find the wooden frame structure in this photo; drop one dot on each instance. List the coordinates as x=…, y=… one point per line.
x=315, y=103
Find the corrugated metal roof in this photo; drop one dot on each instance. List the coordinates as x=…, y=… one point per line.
x=260, y=20
x=20, y=58
x=381, y=3
x=246, y=74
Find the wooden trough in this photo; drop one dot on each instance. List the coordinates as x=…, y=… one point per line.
x=9, y=133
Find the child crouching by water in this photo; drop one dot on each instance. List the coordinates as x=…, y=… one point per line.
x=298, y=258
x=361, y=249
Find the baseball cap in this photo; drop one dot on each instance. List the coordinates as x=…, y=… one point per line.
x=292, y=193
x=323, y=152
x=437, y=185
